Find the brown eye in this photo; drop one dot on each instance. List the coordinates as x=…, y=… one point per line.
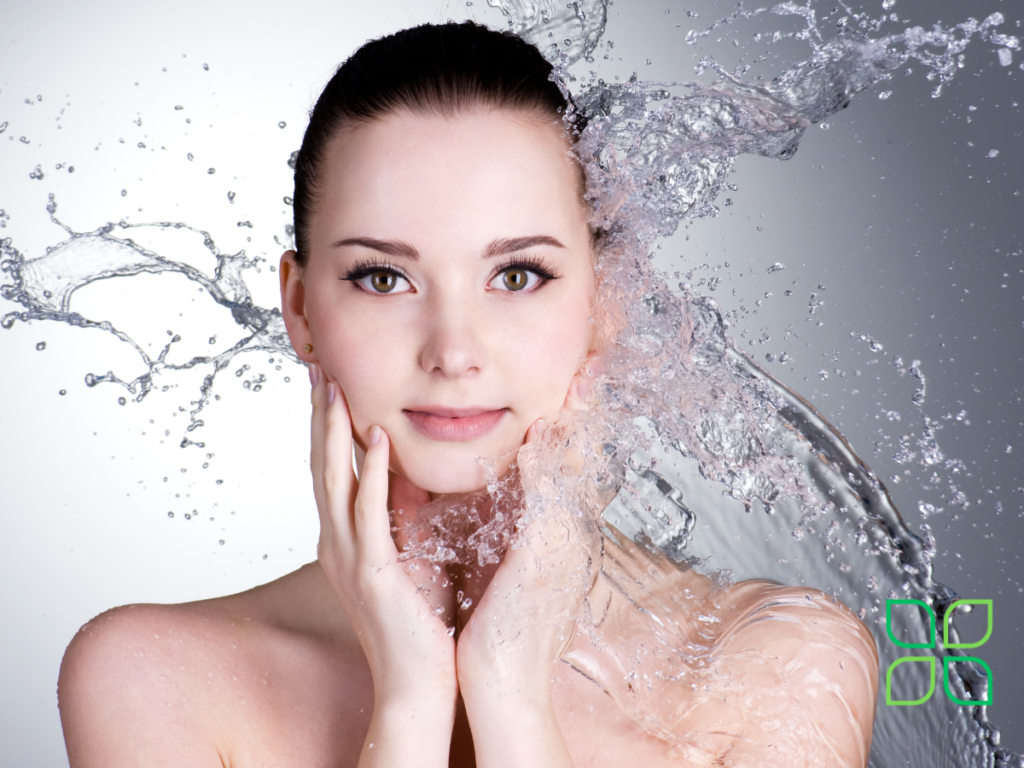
x=383, y=282
x=516, y=279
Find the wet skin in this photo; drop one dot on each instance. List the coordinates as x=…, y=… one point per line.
x=447, y=302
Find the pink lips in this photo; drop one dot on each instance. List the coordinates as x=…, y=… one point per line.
x=457, y=425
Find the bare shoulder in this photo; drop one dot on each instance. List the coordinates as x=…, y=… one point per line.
x=794, y=669
x=191, y=684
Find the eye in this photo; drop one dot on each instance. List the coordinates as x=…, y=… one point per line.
x=383, y=282
x=522, y=275
x=376, y=278
x=516, y=279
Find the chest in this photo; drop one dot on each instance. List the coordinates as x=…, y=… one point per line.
x=320, y=718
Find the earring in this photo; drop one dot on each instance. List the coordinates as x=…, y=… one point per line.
x=308, y=348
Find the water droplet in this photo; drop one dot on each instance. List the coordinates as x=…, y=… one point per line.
x=40, y=346
x=776, y=267
x=993, y=153
x=142, y=145
x=884, y=95
x=121, y=401
x=91, y=380
x=1005, y=57
x=3, y=126
x=824, y=126
x=206, y=67
x=221, y=542
x=231, y=197
x=179, y=107
x=211, y=170
x=190, y=156
x=287, y=200
x=124, y=192
x=71, y=169
x=37, y=174
x=170, y=514
x=282, y=124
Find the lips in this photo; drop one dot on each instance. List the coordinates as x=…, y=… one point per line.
x=455, y=425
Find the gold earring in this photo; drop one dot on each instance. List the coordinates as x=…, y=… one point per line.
x=308, y=348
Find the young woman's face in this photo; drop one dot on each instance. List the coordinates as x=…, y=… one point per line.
x=449, y=288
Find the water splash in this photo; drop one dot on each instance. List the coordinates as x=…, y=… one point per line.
x=44, y=287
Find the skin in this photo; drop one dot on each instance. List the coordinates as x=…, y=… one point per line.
x=355, y=660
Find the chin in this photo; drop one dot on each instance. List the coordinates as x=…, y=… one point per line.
x=444, y=474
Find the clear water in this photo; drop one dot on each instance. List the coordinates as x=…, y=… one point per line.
x=691, y=440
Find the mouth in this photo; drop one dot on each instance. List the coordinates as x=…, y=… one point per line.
x=454, y=425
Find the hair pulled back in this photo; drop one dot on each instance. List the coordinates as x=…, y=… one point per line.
x=441, y=69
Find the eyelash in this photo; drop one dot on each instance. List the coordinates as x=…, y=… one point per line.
x=530, y=264
x=367, y=267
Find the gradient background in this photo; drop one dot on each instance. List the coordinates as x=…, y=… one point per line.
x=897, y=210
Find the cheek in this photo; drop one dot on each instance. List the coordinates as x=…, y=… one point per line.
x=552, y=353
x=358, y=355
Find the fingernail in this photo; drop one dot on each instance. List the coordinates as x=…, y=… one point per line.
x=332, y=389
x=374, y=435
x=314, y=374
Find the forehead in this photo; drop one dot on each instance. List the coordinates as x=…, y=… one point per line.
x=424, y=177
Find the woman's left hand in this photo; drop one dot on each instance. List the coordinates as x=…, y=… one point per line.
x=523, y=622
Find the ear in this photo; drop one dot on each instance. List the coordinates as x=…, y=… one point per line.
x=293, y=307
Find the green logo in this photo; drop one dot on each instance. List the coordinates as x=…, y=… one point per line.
x=930, y=660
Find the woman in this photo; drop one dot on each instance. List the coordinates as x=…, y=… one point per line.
x=443, y=293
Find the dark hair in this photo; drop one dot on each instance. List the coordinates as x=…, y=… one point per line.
x=441, y=69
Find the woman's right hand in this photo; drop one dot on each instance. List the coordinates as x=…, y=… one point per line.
x=408, y=646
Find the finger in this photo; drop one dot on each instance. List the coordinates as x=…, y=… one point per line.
x=536, y=431
x=372, y=527
x=574, y=399
x=335, y=440
x=318, y=428
x=406, y=500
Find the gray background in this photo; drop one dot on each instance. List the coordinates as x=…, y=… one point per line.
x=896, y=209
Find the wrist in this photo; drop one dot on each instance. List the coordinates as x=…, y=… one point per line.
x=428, y=711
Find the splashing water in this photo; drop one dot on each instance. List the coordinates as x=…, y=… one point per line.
x=679, y=416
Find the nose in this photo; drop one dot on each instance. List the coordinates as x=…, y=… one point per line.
x=453, y=345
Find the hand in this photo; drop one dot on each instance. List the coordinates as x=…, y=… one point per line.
x=525, y=617
x=523, y=622
x=409, y=648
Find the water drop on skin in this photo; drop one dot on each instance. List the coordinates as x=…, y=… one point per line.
x=41, y=346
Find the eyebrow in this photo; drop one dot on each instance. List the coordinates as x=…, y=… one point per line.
x=495, y=248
